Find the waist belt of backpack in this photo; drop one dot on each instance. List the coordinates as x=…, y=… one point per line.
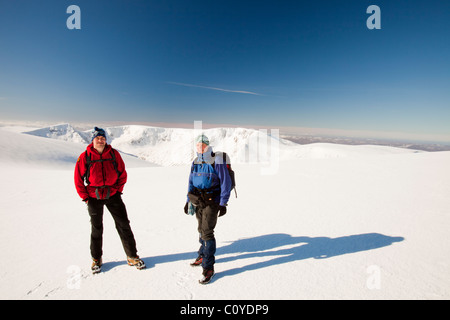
x=210, y=192
x=108, y=193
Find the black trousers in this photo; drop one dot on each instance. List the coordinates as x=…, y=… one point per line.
x=206, y=214
x=118, y=211
x=207, y=220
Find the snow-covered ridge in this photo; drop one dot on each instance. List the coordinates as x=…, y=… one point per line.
x=175, y=146
x=62, y=132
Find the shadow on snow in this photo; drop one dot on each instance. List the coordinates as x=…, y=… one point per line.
x=303, y=248
x=266, y=246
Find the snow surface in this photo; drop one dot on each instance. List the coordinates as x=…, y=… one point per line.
x=332, y=221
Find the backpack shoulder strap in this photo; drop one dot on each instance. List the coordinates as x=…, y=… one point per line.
x=88, y=167
x=113, y=158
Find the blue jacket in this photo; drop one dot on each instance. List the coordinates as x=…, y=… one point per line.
x=207, y=173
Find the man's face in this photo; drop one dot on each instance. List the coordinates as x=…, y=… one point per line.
x=99, y=142
x=201, y=147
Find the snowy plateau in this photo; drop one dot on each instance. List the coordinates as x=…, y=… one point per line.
x=328, y=221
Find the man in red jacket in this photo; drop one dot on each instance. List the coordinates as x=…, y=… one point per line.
x=103, y=170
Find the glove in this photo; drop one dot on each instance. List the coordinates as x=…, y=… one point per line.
x=186, y=208
x=222, y=211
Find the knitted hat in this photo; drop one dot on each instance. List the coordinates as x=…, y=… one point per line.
x=98, y=132
x=203, y=139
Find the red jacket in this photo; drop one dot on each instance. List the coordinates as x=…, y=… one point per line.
x=106, y=177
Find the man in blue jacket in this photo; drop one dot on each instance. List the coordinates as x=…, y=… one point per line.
x=209, y=191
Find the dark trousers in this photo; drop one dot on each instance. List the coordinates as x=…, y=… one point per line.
x=118, y=211
x=207, y=220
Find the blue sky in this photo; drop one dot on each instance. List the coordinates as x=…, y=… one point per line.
x=268, y=63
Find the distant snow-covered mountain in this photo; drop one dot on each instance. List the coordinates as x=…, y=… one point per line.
x=62, y=132
x=175, y=146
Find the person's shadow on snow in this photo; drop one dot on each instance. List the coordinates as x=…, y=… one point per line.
x=301, y=248
x=266, y=246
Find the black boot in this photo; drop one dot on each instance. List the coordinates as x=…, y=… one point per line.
x=207, y=276
x=197, y=262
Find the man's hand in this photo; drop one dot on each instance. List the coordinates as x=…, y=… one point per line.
x=222, y=210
